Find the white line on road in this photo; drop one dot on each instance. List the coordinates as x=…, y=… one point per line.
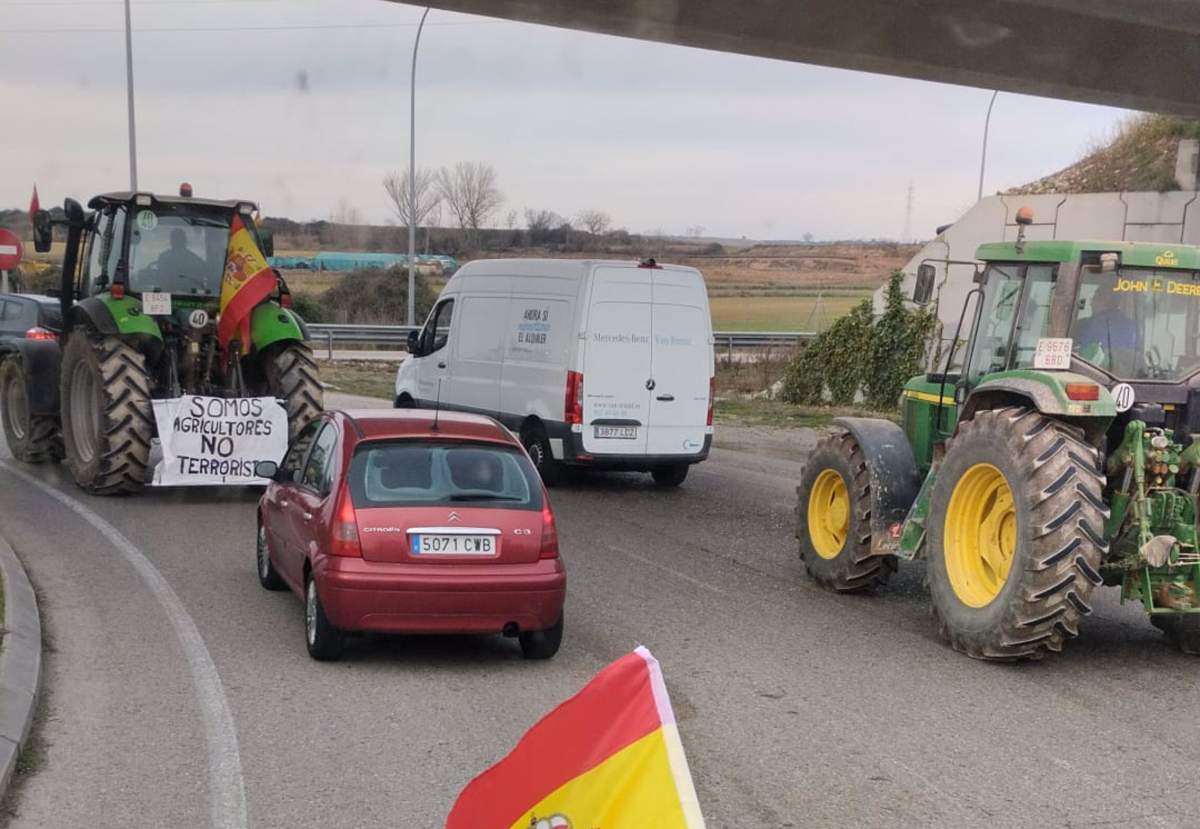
x=227, y=788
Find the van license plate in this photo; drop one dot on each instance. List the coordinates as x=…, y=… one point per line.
x=453, y=545
x=617, y=432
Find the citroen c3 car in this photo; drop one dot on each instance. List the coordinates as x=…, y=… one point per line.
x=402, y=521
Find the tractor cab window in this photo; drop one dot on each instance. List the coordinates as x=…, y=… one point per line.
x=103, y=252
x=178, y=249
x=997, y=319
x=1034, y=320
x=1138, y=323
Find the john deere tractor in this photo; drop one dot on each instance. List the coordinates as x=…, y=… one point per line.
x=1055, y=449
x=140, y=294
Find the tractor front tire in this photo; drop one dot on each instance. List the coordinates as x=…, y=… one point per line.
x=31, y=438
x=1180, y=629
x=1016, y=525
x=833, y=519
x=107, y=418
x=292, y=377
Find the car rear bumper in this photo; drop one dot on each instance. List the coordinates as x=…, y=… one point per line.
x=574, y=453
x=387, y=597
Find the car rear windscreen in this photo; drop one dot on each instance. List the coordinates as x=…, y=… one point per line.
x=447, y=473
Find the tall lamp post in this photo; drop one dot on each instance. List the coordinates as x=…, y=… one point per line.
x=133, y=185
x=412, y=177
x=987, y=122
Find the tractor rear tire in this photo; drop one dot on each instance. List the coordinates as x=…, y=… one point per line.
x=107, y=417
x=833, y=519
x=292, y=377
x=31, y=438
x=1180, y=629
x=1016, y=525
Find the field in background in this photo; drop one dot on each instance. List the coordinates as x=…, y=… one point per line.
x=799, y=312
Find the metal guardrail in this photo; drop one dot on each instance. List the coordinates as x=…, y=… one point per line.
x=727, y=341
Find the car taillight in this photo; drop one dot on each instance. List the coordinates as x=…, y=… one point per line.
x=39, y=333
x=712, y=395
x=573, y=404
x=549, y=533
x=1083, y=391
x=343, y=539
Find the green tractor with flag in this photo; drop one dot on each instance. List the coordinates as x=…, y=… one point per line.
x=1055, y=448
x=162, y=297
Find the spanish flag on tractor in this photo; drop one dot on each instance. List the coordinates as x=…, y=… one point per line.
x=248, y=281
x=608, y=758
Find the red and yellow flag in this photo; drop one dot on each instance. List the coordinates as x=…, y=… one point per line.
x=608, y=758
x=248, y=281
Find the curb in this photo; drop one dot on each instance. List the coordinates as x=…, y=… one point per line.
x=20, y=662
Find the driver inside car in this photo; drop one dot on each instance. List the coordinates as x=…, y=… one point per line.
x=178, y=261
x=1109, y=337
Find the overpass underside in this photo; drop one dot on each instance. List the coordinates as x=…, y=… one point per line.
x=1140, y=54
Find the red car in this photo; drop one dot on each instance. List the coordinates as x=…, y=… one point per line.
x=404, y=521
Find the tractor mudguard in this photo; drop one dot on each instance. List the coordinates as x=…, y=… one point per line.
x=271, y=323
x=40, y=361
x=895, y=480
x=120, y=317
x=1045, y=391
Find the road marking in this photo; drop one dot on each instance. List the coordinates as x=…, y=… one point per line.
x=226, y=786
x=684, y=576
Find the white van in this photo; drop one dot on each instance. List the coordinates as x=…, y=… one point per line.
x=603, y=364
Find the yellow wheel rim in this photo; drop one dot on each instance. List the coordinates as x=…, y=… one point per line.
x=828, y=514
x=980, y=535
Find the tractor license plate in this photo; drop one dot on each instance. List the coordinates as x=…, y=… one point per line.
x=616, y=432
x=156, y=304
x=453, y=545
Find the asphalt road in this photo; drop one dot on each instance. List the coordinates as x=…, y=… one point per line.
x=797, y=707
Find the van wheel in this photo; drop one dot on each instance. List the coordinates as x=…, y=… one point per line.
x=538, y=446
x=405, y=402
x=670, y=476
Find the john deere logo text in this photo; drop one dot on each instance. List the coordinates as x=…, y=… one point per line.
x=1166, y=259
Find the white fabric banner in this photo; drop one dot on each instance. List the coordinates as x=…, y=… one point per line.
x=214, y=440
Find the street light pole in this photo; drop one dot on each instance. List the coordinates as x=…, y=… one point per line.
x=412, y=177
x=133, y=185
x=987, y=122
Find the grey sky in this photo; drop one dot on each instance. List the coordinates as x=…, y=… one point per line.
x=303, y=119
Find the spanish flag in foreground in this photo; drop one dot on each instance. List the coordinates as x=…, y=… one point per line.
x=608, y=758
x=248, y=280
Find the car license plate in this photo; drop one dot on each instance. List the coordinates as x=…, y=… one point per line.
x=453, y=545
x=616, y=432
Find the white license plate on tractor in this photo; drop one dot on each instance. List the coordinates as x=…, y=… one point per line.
x=616, y=432
x=429, y=544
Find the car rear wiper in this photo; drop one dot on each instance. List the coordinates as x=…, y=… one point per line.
x=483, y=496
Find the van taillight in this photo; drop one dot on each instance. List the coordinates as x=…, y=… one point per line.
x=573, y=404
x=712, y=395
x=343, y=540
x=549, y=533
x=39, y=333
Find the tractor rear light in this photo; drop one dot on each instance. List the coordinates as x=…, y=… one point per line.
x=549, y=532
x=118, y=290
x=1083, y=391
x=712, y=393
x=343, y=537
x=285, y=300
x=573, y=400
x=39, y=333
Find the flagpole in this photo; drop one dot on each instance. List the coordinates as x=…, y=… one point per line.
x=133, y=185
x=412, y=177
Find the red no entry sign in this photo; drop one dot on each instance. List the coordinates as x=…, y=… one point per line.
x=10, y=250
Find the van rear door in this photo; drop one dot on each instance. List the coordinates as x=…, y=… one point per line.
x=616, y=364
x=681, y=361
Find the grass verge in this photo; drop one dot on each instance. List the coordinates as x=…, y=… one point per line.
x=366, y=378
x=779, y=415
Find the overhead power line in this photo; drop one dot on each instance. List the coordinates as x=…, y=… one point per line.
x=297, y=28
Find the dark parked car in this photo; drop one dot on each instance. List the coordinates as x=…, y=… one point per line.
x=29, y=329
x=29, y=317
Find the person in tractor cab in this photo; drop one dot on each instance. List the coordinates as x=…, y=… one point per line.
x=178, y=260
x=1109, y=337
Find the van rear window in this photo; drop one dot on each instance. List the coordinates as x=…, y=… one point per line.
x=442, y=473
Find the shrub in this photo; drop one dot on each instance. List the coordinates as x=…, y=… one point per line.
x=375, y=297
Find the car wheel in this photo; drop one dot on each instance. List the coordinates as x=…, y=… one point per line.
x=267, y=576
x=670, y=476
x=542, y=644
x=324, y=641
x=538, y=446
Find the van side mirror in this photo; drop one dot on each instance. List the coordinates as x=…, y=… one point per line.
x=43, y=232
x=923, y=289
x=266, y=469
x=414, y=339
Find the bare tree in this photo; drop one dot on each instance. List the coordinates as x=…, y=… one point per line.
x=510, y=219
x=540, y=221
x=470, y=191
x=695, y=231
x=594, y=222
x=349, y=230
x=406, y=210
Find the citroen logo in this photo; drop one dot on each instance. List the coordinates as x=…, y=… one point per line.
x=454, y=516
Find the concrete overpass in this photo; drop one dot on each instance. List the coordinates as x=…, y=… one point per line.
x=1140, y=54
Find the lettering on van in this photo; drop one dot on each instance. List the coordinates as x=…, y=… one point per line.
x=635, y=339
x=665, y=341
x=534, y=327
